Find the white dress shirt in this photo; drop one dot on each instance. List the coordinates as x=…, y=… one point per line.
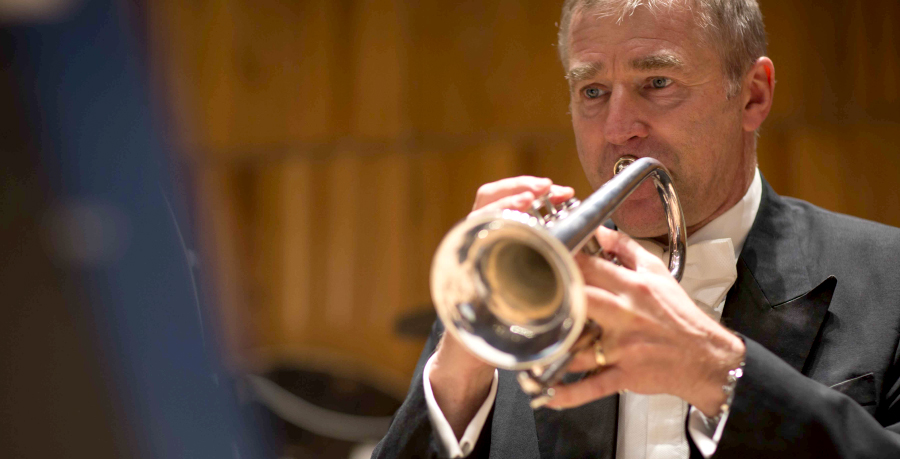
x=652, y=426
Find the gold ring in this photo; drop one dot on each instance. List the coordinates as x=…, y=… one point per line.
x=599, y=355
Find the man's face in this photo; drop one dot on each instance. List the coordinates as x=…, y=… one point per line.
x=650, y=87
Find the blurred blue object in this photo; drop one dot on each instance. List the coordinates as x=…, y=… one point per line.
x=107, y=350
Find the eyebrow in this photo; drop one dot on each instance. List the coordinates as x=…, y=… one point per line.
x=660, y=61
x=657, y=62
x=583, y=72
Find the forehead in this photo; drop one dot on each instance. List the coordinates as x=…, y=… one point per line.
x=600, y=40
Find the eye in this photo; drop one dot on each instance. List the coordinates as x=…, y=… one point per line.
x=592, y=92
x=660, y=82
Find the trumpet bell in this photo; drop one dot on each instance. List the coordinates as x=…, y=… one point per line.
x=506, y=284
x=508, y=290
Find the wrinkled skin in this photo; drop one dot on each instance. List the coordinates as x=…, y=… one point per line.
x=676, y=113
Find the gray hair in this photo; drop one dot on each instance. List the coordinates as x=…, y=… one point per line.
x=733, y=27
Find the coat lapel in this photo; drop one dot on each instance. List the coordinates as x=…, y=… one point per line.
x=513, y=424
x=788, y=329
x=773, y=301
x=561, y=434
x=586, y=431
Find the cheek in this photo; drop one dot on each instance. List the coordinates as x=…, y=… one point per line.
x=726, y=145
x=706, y=172
x=707, y=139
x=589, y=144
x=588, y=161
x=588, y=122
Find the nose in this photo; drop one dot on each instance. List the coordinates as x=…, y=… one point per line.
x=624, y=121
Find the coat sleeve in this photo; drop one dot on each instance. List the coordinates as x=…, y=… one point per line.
x=411, y=434
x=778, y=412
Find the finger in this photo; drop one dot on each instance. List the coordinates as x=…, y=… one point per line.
x=586, y=359
x=560, y=194
x=628, y=251
x=604, y=274
x=494, y=191
x=612, y=313
x=520, y=201
x=607, y=310
x=606, y=382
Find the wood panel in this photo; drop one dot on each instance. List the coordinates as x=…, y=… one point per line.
x=335, y=142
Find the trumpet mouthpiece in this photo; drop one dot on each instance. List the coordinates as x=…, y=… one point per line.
x=622, y=163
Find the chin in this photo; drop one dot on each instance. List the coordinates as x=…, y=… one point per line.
x=642, y=218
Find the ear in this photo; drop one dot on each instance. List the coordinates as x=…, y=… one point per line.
x=757, y=93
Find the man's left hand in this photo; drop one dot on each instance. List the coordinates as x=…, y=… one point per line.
x=655, y=339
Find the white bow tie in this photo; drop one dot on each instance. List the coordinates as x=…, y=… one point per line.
x=709, y=271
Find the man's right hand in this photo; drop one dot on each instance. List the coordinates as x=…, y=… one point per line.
x=459, y=380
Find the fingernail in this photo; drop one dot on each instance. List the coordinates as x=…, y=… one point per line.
x=540, y=402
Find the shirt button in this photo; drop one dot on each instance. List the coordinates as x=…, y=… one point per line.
x=466, y=448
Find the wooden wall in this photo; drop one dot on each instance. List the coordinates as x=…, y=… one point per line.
x=335, y=141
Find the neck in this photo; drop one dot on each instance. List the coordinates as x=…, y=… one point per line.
x=733, y=198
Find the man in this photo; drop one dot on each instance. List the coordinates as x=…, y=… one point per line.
x=782, y=337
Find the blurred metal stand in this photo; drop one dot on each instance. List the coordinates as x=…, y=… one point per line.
x=322, y=411
x=316, y=419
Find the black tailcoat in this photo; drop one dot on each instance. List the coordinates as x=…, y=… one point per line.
x=817, y=300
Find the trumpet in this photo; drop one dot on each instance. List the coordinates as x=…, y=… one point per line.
x=506, y=284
